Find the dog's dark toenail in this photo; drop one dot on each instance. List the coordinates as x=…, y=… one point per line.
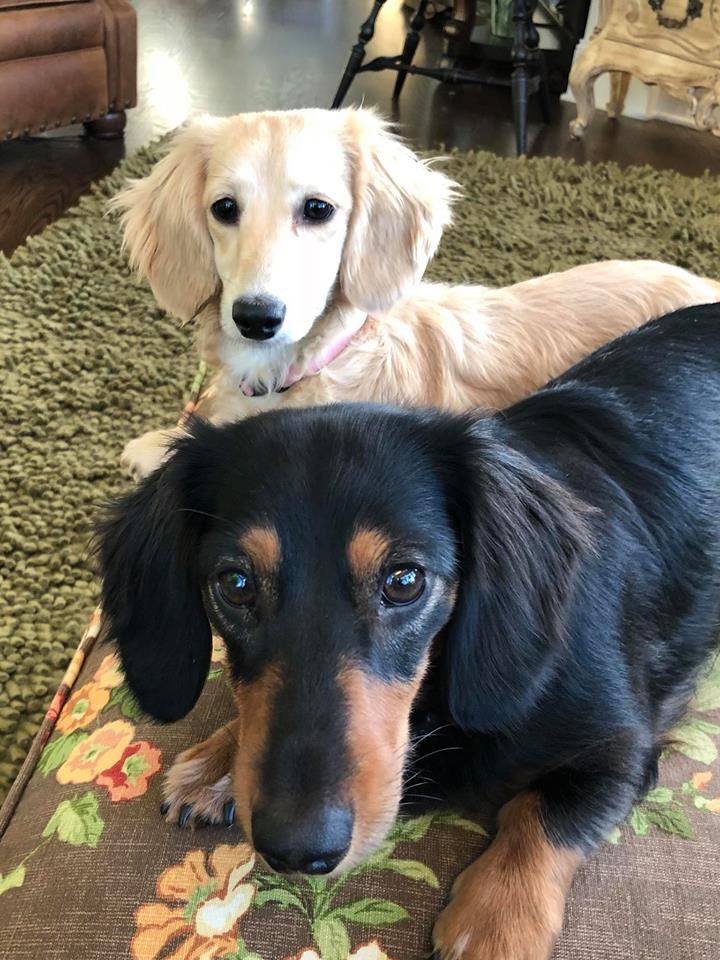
x=185, y=814
x=164, y=807
x=229, y=813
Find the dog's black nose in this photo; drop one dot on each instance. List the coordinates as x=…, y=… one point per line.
x=258, y=318
x=313, y=845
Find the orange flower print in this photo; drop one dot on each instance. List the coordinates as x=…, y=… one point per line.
x=204, y=906
x=109, y=674
x=96, y=753
x=82, y=707
x=713, y=805
x=128, y=778
x=701, y=780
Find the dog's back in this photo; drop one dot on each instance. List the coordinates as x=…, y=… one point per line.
x=634, y=430
x=651, y=396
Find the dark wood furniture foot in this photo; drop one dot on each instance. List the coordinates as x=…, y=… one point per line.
x=109, y=127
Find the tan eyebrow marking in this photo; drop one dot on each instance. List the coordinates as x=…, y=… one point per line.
x=366, y=551
x=262, y=545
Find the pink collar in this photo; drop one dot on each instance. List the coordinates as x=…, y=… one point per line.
x=298, y=372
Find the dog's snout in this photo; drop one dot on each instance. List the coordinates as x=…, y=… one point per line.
x=314, y=845
x=258, y=318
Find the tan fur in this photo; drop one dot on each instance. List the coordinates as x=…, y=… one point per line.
x=262, y=545
x=423, y=344
x=378, y=734
x=255, y=704
x=509, y=904
x=200, y=777
x=366, y=552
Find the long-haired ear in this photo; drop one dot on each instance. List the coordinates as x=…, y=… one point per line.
x=400, y=207
x=165, y=226
x=522, y=535
x=151, y=599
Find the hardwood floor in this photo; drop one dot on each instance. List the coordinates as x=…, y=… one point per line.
x=226, y=56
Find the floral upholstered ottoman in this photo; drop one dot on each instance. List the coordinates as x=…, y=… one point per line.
x=89, y=870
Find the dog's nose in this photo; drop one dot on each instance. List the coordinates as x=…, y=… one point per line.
x=313, y=845
x=258, y=318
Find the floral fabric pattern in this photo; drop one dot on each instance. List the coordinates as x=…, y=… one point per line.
x=202, y=896
x=206, y=903
x=128, y=778
x=82, y=707
x=94, y=754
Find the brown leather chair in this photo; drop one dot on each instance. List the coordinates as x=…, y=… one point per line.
x=65, y=62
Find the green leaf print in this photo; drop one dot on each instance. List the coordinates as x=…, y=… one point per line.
x=708, y=695
x=122, y=698
x=455, y=820
x=12, y=880
x=639, y=823
x=671, y=820
x=412, y=869
x=414, y=829
x=284, y=899
x=385, y=850
x=614, y=836
x=693, y=740
x=332, y=938
x=371, y=911
x=77, y=821
x=659, y=795
x=56, y=753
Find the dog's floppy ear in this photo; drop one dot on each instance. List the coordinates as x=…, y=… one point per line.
x=400, y=207
x=521, y=537
x=151, y=599
x=165, y=225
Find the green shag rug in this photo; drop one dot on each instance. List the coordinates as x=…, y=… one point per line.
x=88, y=361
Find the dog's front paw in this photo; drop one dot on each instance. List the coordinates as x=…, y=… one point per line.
x=488, y=919
x=145, y=454
x=197, y=787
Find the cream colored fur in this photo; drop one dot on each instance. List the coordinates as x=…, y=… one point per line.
x=421, y=344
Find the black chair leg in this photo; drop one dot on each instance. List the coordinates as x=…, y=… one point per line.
x=522, y=53
x=412, y=39
x=357, y=54
x=520, y=97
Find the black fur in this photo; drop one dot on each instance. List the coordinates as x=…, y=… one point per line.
x=581, y=528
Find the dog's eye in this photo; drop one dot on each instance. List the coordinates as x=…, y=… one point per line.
x=317, y=211
x=225, y=210
x=403, y=585
x=236, y=587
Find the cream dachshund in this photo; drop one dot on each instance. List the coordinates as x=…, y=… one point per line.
x=297, y=241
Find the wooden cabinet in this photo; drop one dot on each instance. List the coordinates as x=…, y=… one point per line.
x=672, y=43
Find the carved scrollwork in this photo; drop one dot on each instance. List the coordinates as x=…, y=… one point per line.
x=693, y=10
x=705, y=107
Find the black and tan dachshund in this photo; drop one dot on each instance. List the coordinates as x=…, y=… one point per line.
x=540, y=587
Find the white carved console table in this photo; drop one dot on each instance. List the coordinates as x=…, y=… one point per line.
x=672, y=43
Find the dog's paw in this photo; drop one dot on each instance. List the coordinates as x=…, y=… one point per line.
x=197, y=787
x=145, y=454
x=192, y=797
x=488, y=919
